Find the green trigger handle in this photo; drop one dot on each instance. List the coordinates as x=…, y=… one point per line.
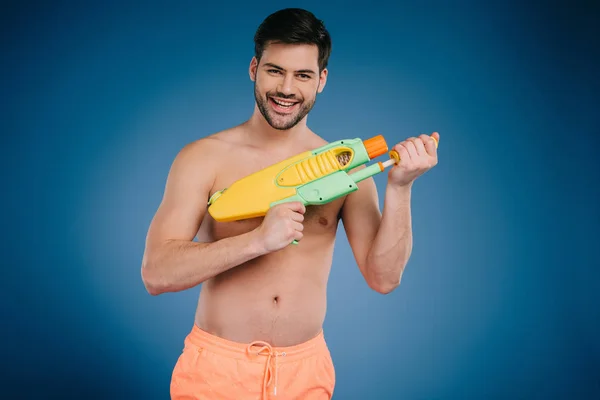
x=330, y=187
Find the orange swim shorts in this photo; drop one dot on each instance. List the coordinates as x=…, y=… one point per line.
x=211, y=367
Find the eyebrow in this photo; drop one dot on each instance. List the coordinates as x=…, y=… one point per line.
x=300, y=71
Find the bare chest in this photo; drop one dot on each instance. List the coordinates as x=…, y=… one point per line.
x=318, y=220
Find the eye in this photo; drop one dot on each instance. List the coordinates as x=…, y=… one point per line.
x=273, y=71
x=304, y=76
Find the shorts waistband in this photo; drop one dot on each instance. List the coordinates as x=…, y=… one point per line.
x=248, y=351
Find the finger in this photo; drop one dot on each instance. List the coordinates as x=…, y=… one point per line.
x=436, y=136
x=410, y=147
x=430, y=145
x=298, y=227
x=297, y=217
x=297, y=206
x=420, y=144
x=296, y=234
x=402, y=152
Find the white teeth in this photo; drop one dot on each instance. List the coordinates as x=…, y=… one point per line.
x=283, y=103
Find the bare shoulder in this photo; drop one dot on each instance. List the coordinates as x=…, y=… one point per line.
x=189, y=182
x=202, y=157
x=206, y=149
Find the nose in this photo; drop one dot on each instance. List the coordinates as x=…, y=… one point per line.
x=286, y=85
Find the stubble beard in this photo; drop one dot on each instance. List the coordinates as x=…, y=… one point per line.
x=285, y=122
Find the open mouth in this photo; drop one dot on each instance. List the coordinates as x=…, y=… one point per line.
x=283, y=106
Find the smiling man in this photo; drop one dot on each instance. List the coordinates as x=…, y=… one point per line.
x=282, y=107
x=257, y=330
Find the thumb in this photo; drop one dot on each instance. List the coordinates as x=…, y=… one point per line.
x=436, y=136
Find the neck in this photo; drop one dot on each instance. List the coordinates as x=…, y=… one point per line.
x=265, y=136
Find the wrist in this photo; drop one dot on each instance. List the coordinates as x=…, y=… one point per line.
x=400, y=188
x=256, y=242
x=398, y=195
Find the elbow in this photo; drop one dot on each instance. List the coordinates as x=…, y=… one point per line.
x=383, y=283
x=153, y=282
x=384, y=287
x=150, y=282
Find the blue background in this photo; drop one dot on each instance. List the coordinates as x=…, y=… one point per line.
x=501, y=296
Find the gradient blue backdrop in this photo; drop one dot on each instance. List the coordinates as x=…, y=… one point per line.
x=500, y=299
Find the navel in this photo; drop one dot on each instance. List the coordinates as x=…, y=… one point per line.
x=275, y=299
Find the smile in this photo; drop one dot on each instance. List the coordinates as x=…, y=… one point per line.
x=282, y=105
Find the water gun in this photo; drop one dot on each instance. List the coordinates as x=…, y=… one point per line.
x=313, y=177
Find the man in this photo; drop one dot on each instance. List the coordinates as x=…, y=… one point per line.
x=258, y=326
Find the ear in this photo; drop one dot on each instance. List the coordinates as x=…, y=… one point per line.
x=322, y=80
x=253, y=68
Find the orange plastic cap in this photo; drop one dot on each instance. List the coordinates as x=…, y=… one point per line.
x=375, y=146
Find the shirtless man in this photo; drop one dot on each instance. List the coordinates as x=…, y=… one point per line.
x=258, y=326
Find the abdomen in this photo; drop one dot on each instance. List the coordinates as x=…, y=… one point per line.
x=279, y=298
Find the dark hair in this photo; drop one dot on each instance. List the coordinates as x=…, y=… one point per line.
x=293, y=26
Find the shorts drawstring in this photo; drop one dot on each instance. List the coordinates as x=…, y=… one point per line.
x=269, y=374
x=212, y=366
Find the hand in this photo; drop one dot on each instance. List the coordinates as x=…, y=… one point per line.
x=282, y=225
x=417, y=156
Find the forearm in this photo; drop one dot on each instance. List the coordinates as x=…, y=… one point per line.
x=179, y=264
x=392, y=245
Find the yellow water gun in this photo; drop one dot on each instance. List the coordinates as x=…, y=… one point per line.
x=313, y=177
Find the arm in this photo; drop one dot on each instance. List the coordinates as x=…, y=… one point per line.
x=382, y=243
x=172, y=261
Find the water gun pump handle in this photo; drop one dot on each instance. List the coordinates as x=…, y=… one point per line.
x=395, y=157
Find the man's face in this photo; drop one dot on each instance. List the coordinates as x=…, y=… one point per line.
x=286, y=83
